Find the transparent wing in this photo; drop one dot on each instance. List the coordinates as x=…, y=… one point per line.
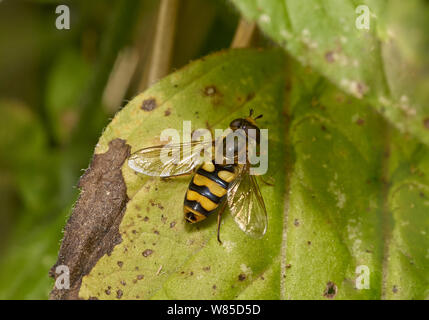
x=247, y=205
x=168, y=160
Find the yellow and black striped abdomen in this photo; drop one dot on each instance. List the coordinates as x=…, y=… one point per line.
x=207, y=190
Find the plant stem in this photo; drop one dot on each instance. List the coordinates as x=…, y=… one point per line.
x=164, y=40
x=244, y=34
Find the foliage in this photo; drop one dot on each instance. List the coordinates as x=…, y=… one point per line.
x=348, y=127
x=338, y=202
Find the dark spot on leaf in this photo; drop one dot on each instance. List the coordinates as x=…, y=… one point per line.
x=241, y=277
x=426, y=123
x=361, y=88
x=210, y=90
x=331, y=290
x=147, y=252
x=149, y=104
x=395, y=289
x=213, y=93
x=119, y=294
x=137, y=207
x=288, y=266
x=250, y=96
x=145, y=219
x=330, y=56
x=120, y=264
x=134, y=231
x=296, y=222
x=206, y=268
x=308, y=242
x=360, y=122
x=107, y=291
x=140, y=277
x=123, y=283
x=214, y=287
x=92, y=298
x=340, y=98
x=314, y=102
x=156, y=232
x=93, y=228
x=172, y=224
x=191, y=273
x=167, y=112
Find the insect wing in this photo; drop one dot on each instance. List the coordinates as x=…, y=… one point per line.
x=247, y=205
x=168, y=160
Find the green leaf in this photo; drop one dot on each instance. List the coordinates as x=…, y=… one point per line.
x=23, y=154
x=66, y=80
x=349, y=191
x=30, y=224
x=344, y=213
x=407, y=253
x=31, y=250
x=209, y=93
x=386, y=65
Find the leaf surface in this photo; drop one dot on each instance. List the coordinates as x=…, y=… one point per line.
x=349, y=194
x=385, y=65
x=210, y=93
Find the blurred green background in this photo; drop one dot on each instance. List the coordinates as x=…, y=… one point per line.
x=58, y=89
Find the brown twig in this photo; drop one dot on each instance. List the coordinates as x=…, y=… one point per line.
x=244, y=34
x=164, y=41
x=119, y=79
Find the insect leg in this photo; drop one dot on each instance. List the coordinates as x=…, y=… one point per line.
x=219, y=215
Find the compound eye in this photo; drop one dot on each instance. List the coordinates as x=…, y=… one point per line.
x=236, y=124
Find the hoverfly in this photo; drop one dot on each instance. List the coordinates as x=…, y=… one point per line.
x=214, y=185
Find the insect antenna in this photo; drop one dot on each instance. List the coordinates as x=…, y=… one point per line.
x=251, y=113
x=258, y=117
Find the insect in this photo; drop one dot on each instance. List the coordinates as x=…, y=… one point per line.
x=213, y=185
